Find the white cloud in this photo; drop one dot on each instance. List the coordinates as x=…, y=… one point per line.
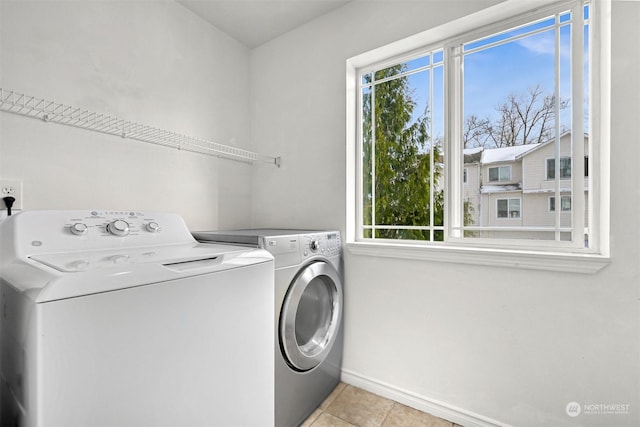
x=544, y=44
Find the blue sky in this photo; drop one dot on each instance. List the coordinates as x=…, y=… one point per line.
x=514, y=68
x=491, y=74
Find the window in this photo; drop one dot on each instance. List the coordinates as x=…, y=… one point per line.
x=500, y=173
x=402, y=149
x=403, y=134
x=586, y=166
x=565, y=204
x=565, y=168
x=425, y=114
x=508, y=208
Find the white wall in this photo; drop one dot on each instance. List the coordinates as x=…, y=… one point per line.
x=513, y=345
x=298, y=104
x=151, y=62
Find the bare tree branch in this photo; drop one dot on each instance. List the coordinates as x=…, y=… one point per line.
x=522, y=119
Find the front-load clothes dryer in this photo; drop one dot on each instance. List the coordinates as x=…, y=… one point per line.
x=308, y=308
x=116, y=318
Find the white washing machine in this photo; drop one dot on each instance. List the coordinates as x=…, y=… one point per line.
x=308, y=321
x=123, y=319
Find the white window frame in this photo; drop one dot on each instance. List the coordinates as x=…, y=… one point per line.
x=499, y=253
x=508, y=167
x=509, y=201
x=554, y=203
x=546, y=168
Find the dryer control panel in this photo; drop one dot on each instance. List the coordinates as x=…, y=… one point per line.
x=289, y=247
x=294, y=249
x=324, y=243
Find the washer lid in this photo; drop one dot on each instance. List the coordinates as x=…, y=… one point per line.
x=50, y=277
x=71, y=262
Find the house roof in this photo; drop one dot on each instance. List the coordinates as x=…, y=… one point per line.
x=547, y=142
x=549, y=190
x=472, y=155
x=505, y=154
x=473, y=150
x=486, y=189
x=496, y=155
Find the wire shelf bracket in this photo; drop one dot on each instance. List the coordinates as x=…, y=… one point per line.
x=53, y=112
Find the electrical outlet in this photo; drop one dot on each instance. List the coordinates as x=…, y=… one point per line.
x=13, y=188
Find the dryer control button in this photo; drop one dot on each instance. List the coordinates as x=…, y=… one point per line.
x=314, y=245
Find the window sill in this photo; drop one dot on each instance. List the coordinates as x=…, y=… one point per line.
x=521, y=259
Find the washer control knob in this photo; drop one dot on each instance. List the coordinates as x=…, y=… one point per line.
x=118, y=228
x=314, y=245
x=152, y=227
x=79, y=229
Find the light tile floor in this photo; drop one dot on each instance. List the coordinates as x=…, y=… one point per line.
x=349, y=406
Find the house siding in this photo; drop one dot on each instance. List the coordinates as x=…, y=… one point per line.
x=472, y=191
x=528, y=183
x=534, y=165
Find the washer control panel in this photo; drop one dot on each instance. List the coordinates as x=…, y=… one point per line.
x=59, y=231
x=112, y=223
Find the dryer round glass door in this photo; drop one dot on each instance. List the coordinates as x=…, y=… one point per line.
x=311, y=314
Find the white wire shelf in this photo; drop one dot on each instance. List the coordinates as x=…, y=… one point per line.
x=53, y=112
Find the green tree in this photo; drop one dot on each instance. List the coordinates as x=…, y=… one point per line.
x=402, y=161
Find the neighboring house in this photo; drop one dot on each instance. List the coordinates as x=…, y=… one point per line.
x=515, y=186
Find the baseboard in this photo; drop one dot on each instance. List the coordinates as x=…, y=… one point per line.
x=439, y=409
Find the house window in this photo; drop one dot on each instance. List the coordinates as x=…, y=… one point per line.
x=565, y=168
x=565, y=204
x=508, y=208
x=586, y=166
x=500, y=173
x=420, y=113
